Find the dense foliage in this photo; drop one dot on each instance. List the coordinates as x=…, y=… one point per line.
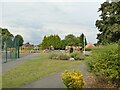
x=70, y=40
x=6, y=38
x=106, y=64
x=18, y=40
x=73, y=79
x=52, y=40
x=66, y=56
x=109, y=23
x=59, y=56
x=57, y=43
x=9, y=41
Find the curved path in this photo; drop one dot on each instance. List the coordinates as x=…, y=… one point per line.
x=54, y=80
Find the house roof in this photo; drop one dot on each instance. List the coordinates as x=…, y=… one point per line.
x=90, y=45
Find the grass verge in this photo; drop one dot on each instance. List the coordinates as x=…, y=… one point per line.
x=34, y=69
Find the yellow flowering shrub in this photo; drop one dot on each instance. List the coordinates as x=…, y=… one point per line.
x=73, y=79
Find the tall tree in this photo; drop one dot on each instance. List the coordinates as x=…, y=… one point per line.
x=18, y=41
x=82, y=40
x=6, y=38
x=109, y=22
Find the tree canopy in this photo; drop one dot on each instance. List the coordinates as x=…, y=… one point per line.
x=52, y=40
x=109, y=22
x=70, y=40
x=57, y=43
x=8, y=40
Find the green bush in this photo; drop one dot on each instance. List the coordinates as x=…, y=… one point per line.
x=77, y=56
x=73, y=79
x=105, y=63
x=73, y=55
x=53, y=56
x=59, y=56
x=63, y=57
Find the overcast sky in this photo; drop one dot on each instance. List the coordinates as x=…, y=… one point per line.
x=33, y=20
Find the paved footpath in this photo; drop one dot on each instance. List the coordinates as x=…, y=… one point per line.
x=11, y=64
x=54, y=80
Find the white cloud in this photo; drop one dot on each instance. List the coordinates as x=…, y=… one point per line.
x=34, y=20
x=52, y=0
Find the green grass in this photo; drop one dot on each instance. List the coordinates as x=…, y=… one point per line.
x=34, y=69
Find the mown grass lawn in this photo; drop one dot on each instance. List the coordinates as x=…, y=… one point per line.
x=34, y=69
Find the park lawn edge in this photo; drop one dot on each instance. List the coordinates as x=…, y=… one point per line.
x=24, y=74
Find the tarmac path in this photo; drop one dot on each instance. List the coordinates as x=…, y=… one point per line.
x=12, y=63
x=54, y=80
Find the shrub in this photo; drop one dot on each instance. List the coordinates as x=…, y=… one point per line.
x=63, y=57
x=77, y=56
x=105, y=63
x=73, y=79
x=53, y=56
x=59, y=56
x=73, y=55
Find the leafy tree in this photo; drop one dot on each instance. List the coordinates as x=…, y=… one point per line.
x=57, y=43
x=6, y=38
x=52, y=40
x=109, y=22
x=63, y=44
x=18, y=41
x=70, y=40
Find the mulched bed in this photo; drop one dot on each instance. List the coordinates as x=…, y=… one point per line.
x=92, y=82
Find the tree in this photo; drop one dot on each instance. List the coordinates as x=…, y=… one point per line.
x=52, y=40
x=70, y=40
x=57, y=43
x=6, y=39
x=18, y=41
x=109, y=22
x=82, y=40
x=63, y=44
